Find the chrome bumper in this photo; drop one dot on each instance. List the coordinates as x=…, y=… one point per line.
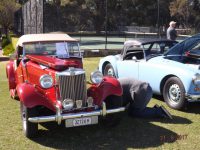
x=192, y=98
x=59, y=117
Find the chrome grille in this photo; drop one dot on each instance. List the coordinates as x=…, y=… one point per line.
x=73, y=86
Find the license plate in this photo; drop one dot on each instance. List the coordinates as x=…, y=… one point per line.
x=81, y=121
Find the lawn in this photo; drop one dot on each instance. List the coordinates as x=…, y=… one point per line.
x=183, y=132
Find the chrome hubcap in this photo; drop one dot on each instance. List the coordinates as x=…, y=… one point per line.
x=174, y=93
x=110, y=72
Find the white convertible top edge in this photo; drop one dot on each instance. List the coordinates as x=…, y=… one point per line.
x=132, y=42
x=47, y=37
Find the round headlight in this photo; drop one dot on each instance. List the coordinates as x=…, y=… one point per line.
x=196, y=78
x=46, y=81
x=96, y=77
x=68, y=104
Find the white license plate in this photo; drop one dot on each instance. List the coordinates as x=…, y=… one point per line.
x=81, y=121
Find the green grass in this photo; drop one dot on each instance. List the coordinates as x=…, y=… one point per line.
x=90, y=65
x=14, y=41
x=8, y=49
x=131, y=133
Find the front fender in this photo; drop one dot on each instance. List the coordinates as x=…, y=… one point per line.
x=11, y=75
x=29, y=95
x=109, y=59
x=109, y=86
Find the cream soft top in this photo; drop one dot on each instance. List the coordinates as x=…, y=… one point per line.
x=47, y=37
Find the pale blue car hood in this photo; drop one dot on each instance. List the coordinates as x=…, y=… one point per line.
x=165, y=62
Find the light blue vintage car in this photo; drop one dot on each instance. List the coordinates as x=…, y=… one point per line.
x=174, y=73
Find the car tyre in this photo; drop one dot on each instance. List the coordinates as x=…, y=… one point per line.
x=112, y=102
x=109, y=70
x=30, y=129
x=174, y=93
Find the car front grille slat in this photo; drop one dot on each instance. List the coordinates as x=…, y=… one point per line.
x=73, y=87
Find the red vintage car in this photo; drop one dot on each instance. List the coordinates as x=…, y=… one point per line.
x=46, y=75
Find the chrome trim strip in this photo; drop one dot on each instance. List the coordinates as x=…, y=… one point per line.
x=104, y=109
x=67, y=72
x=192, y=98
x=73, y=115
x=58, y=116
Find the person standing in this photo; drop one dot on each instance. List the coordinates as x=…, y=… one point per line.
x=171, y=31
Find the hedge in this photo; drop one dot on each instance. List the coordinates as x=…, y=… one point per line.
x=7, y=46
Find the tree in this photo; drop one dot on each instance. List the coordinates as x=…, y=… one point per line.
x=186, y=12
x=179, y=9
x=196, y=14
x=145, y=12
x=7, y=10
x=97, y=13
x=74, y=15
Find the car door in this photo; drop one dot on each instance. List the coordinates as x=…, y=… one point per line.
x=152, y=72
x=128, y=68
x=129, y=64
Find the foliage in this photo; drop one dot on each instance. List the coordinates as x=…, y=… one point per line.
x=7, y=46
x=90, y=15
x=124, y=13
x=180, y=9
x=97, y=12
x=186, y=12
x=69, y=15
x=5, y=42
x=7, y=9
x=8, y=49
x=196, y=15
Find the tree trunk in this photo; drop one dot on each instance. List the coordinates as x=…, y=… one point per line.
x=6, y=31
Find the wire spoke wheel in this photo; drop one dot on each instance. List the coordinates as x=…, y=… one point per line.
x=109, y=71
x=174, y=93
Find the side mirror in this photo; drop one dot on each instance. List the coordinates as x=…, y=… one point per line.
x=134, y=58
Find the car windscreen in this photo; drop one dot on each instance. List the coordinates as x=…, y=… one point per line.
x=59, y=49
x=185, y=46
x=158, y=48
x=194, y=49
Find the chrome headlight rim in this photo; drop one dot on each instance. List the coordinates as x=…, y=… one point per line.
x=68, y=104
x=196, y=78
x=44, y=79
x=96, y=77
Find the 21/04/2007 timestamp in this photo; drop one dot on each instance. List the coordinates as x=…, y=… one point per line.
x=171, y=138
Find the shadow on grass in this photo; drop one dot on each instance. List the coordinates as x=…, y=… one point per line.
x=158, y=97
x=175, y=120
x=130, y=133
x=191, y=107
